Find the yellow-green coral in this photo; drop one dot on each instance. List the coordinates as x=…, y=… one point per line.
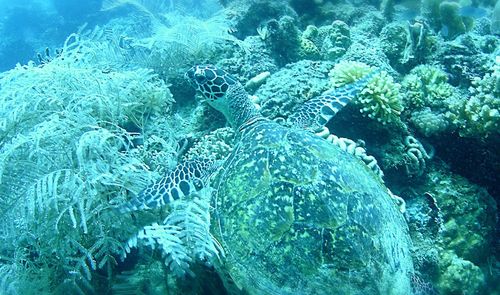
x=379, y=99
x=346, y=72
x=459, y=276
x=425, y=85
x=479, y=116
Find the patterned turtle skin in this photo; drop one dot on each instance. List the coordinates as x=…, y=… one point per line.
x=294, y=213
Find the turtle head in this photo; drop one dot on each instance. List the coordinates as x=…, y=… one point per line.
x=213, y=84
x=223, y=92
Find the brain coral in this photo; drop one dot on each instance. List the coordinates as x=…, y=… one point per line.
x=379, y=99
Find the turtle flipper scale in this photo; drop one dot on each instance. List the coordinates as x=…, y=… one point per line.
x=315, y=113
x=187, y=177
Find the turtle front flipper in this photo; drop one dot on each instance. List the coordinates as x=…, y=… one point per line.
x=315, y=113
x=187, y=177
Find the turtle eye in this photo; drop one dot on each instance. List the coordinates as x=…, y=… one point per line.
x=200, y=78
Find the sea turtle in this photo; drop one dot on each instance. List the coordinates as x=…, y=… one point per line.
x=294, y=213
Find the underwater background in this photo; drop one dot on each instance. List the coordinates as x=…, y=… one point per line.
x=94, y=106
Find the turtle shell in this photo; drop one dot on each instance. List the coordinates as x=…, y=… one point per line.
x=297, y=215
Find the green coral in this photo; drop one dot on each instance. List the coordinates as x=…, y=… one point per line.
x=424, y=86
x=479, y=116
x=379, y=99
x=459, y=276
x=332, y=41
x=346, y=72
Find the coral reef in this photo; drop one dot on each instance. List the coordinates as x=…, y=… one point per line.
x=292, y=85
x=428, y=100
x=479, y=116
x=379, y=99
x=454, y=246
x=93, y=120
x=215, y=146
x=69, y=130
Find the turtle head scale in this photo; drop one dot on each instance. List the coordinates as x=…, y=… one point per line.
x=223, y=92
x=210, y=81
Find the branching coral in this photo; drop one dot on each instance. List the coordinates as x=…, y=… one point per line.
x=379, y=99
x=479, y=116
x=428, y=98
x=425, y=86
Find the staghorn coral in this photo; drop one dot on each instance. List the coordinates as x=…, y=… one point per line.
x=379, y=100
